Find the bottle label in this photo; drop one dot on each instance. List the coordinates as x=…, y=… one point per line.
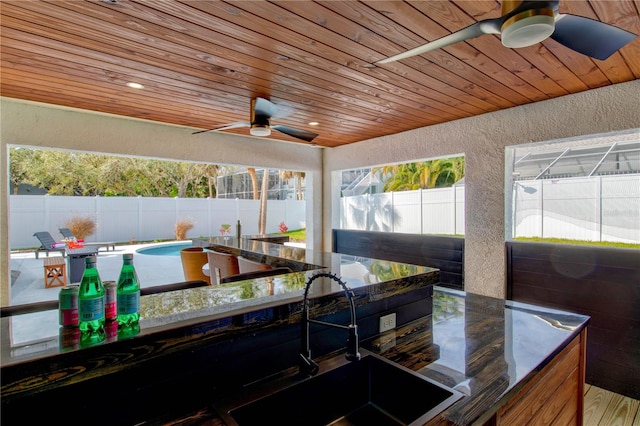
x=128, y=303
x=91, y=309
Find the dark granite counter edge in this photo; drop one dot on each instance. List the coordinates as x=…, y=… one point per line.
x=69, y=368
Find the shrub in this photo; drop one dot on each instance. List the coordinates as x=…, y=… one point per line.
x=182, y=227
x=81, y=226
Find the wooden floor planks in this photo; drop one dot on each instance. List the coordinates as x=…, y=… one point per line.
x=605, y=408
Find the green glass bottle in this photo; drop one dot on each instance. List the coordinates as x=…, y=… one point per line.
x=91, y=298
x=128, y=292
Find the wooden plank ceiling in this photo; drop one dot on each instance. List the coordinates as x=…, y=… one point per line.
x=201, y=62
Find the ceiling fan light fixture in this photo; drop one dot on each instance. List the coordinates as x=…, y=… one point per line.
x=260, y=130
x=528, y=28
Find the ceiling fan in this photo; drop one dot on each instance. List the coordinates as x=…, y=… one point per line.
x=524, y=23
x=262, y=111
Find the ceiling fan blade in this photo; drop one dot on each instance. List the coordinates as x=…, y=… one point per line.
x=296, y=133
x=590, y=37
x=488, y=26
x=264, y=107
x=225, y=127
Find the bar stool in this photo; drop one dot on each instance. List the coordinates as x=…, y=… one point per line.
x=247, y=265
x=55, y=272
x=221, y=265
x=193, y=259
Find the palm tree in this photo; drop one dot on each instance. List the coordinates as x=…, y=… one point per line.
x=264, y=195
x=254, y=182
x=437, y=173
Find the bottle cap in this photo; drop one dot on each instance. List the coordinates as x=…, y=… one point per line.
x=127, y=256
x=90, y=259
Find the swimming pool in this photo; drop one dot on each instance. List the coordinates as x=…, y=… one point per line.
x=164, y=249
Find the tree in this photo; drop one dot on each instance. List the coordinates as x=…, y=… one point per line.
x=72, y=173
x=18, y=170
x=437, y=173
x=254, y=182
x=264, y=195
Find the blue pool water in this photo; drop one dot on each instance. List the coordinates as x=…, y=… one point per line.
x=164, y=249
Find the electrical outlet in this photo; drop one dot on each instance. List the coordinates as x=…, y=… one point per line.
x=387, y=322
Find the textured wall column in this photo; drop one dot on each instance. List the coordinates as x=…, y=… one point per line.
x=5, y=270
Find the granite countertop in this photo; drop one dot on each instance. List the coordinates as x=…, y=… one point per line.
x=483, y=347
x=34, y=336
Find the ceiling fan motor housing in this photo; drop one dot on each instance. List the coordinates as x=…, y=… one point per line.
x=527, y=27
x=259, y=123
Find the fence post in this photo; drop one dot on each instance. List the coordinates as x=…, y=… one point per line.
x=97, y=215
x=455, y=196
x=209, y=218
x=541, y=208
x=47, y=211
x=598, y=184
x=139, y=225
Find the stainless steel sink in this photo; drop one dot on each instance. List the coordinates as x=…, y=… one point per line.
x=372, y=391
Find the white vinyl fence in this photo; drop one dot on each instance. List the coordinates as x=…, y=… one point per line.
x=123, y=219
x=601, y=208
x=424, y=211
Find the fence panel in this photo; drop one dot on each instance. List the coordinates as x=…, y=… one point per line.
x=527, y=205
x=438, y=211
x=571, y=209
x=602, y=208
x=406, y=212
x=124, y=219
x=621, y=208
x=460, y=219
x=119, y=219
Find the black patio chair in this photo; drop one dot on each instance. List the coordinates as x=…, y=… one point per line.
x=48, y=244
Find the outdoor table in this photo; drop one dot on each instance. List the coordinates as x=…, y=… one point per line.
x=76, y=262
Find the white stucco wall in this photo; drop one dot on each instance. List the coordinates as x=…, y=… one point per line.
x=482, y=140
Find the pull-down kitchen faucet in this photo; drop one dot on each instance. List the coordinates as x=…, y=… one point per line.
x=307, y=365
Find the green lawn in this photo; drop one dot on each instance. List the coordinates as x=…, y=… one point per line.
x=300, y=235
x=580, y=242
x=297, y=235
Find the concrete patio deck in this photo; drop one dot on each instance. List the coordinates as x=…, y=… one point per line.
x=28, y=286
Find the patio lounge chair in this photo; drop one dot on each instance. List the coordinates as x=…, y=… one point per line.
x=48, y=244
x=67, y=233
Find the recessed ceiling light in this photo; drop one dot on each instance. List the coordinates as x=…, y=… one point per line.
x=314, y=123
x=135, y=85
